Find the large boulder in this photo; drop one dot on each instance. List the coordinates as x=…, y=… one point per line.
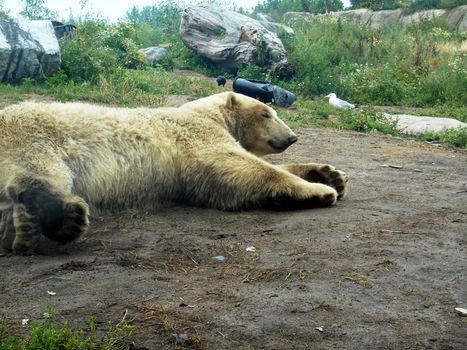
x=232, y=40
x=28, y=49
x=456, y=18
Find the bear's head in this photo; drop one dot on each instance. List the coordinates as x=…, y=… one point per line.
x=256, y=126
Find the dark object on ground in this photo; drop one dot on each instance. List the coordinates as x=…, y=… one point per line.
x=221, y=80
x=264, y=91
x=62, y=30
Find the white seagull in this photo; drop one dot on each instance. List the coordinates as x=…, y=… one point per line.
x=338, y=103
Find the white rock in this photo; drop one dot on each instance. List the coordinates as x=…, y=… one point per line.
x=410, y=124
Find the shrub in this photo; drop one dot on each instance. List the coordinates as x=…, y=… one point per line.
x=49, y=334
x=252, y=71
x=86, y=57
x=404, y=66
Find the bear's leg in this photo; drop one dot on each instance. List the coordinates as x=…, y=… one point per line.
x=235, y=179
x=40, y=207
x=321, y=173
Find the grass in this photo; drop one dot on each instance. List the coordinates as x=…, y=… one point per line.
x=151, y=87
x=49, y=334
x=318, y=113
x=126, y=88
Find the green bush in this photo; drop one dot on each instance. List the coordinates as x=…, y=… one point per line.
x=414, y=66
x=86, y=57
x=368, y=121
x=51, y=335
x=252, y=71
x=455, y=137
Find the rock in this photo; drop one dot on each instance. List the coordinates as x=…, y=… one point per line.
x=232, y=40
x=219, y=258
x=267, y=23
x=154, y=53
x=456, y=18
x=420, y=15
x=412, y=125
x=28, y=49
x=178, y=337
x=263, y=17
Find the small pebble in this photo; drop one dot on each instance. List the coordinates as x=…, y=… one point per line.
x=219, y=258
x=251, y=249
x=178, y=338
x=321, y=329
x=461, y=311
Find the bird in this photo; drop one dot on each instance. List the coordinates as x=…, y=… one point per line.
x=221, y=80
x=338, y=103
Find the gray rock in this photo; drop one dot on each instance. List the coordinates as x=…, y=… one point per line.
x=456, y=18
x=154, y=53
x=28, y=49
x=268, y=23
x=263, y=17
x=412, y=125
x=232, y=39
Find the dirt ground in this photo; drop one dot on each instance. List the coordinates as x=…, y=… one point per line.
x=383, y=269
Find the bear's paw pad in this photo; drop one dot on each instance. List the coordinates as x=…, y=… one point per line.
x=330, y=176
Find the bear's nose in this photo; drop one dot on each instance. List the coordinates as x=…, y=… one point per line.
x=292, y=139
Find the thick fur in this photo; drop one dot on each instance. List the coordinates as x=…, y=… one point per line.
x=57, y=160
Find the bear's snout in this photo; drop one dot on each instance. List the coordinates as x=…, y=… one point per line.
x=292, y=139
x=282, y=144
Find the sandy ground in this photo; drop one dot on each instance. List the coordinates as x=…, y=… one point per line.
x=383, y=269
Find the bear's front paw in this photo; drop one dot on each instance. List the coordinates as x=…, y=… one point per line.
x=27, y=230
x=329, y=175
x=306, y=197
x=76, y=220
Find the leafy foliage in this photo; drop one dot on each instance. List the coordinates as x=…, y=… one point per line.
x=37, y=9
x=412, y=66
x=49, y=334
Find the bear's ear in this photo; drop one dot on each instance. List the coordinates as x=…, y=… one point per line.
x=232, y=100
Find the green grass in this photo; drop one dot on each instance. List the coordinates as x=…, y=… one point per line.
x=452, y=137
x=318, y=113
x=49, y=334
x=128, y=88
x=150, y=88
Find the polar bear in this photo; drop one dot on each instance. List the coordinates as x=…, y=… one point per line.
x=59, y=160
